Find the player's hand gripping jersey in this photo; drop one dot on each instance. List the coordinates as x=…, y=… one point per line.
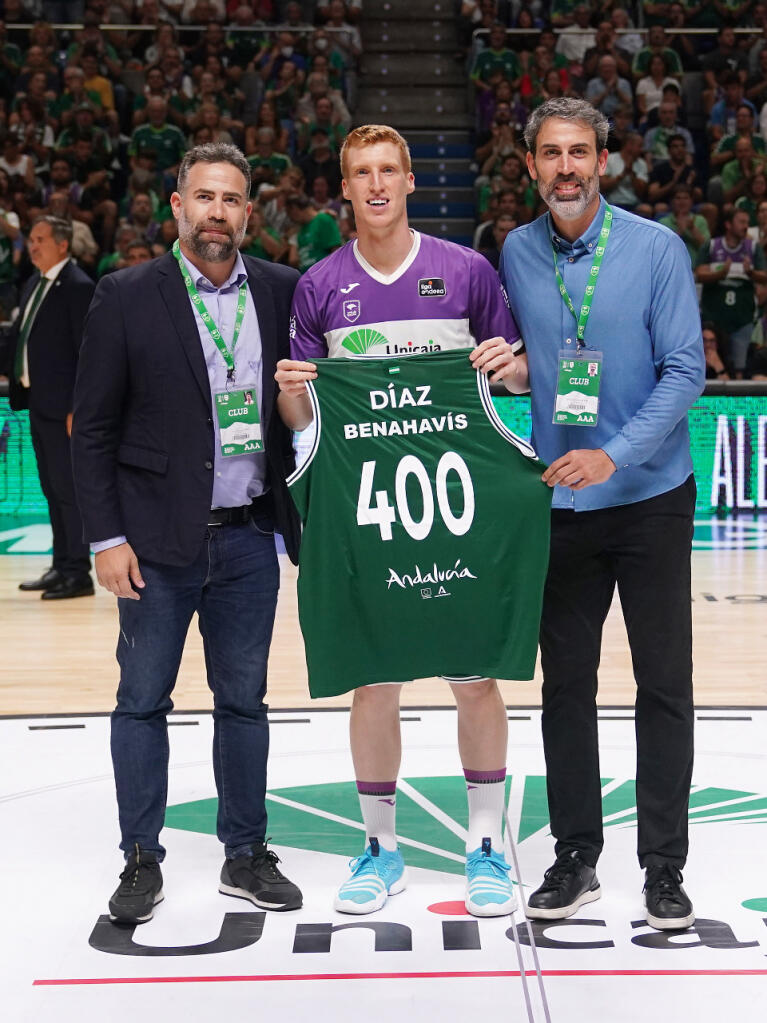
x=426, y=527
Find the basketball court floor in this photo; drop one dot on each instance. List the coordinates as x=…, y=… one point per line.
x=204, y=955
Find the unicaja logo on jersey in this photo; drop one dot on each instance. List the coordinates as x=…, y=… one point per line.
x=359, y=342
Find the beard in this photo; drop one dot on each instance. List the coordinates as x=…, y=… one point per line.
x=210, y=251
x=577, y=204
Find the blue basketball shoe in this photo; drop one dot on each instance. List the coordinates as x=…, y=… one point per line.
x=375, y=875
x=489, y=891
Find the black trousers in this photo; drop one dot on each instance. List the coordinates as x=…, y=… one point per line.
x=645, y=549
x=71, y=555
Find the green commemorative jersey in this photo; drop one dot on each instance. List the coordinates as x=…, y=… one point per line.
x=426, y=527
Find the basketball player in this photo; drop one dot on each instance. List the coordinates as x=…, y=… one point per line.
x=391, y=292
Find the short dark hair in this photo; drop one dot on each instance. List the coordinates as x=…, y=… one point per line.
x=213, y=152
x=301, y=202
x=61, y=230
x=139, y=243
x=676, y=137
x=567, y=109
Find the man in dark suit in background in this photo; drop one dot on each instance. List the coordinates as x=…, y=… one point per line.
x=181, y=483
x=49, y=332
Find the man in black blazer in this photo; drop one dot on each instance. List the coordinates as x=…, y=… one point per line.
x=49, y=332
x=181, y=484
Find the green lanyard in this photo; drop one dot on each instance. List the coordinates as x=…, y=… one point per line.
x=588, y=295
x=207, y=319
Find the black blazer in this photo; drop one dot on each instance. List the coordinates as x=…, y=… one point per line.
x=143, y=438
x=54, y=344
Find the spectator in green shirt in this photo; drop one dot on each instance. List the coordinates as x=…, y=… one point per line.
x=497, y=57
x=756, y=194
x=691, y=227
x=157, y=135
x=737, y=174
x=155, y=85
x=744, y=128
x=656, y=44
x=74, y=94
x=318, y=233
x=260, y=240
x=266, y=156
x=324, y=117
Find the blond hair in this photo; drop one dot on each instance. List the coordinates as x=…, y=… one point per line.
x=369, y=135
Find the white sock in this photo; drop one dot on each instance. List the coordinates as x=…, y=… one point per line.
x=378, y=805
x=486, y=792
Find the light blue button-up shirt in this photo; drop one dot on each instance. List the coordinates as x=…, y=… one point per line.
x=644, y=319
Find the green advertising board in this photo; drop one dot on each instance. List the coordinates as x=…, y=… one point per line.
x=728, y=437
x=729, y=452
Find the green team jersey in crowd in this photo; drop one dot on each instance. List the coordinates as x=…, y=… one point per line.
x=167, y=143
x=489, y=61
x=426, y=527
x=317, y=239
x=729, y=302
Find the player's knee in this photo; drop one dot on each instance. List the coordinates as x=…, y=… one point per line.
x=468, y=693
x=376, y=698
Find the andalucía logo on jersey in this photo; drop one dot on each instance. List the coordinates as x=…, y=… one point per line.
x=352, y=309
x=433, y=575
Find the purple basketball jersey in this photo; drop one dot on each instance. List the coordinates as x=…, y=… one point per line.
x=443, y=296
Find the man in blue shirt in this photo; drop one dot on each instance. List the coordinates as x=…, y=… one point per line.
x=606, y=305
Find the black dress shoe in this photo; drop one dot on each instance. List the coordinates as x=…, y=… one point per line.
x=77, y=586
x=668, y=905
x=568, y=884
x=45, y=582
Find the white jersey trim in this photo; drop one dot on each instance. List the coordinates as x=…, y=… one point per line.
x=483, y=386
x=298, y=473
x=404, y=266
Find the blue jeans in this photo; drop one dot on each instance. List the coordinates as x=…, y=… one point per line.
x=232, y=585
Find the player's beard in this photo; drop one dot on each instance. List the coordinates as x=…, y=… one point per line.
x=576, y=206
x=210, y=251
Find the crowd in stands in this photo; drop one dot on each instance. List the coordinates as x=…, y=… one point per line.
x=688, y=119
x=94, y=121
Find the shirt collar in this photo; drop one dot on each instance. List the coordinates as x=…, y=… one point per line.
x=587, y=241
x=234, y=280
x=55, y=270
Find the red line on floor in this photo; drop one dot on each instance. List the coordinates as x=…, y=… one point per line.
x=447, y=974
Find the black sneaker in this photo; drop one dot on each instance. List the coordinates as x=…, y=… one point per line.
x=139, y=892
x=668, y=907
x=568, y=884
x=257, y=878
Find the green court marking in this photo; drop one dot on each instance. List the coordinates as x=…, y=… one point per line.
x=309, y=825
x=535, y=807
x=758, y=905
